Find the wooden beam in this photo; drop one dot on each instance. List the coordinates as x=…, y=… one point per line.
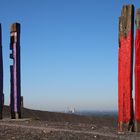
x=137, y=73
x=125, y=69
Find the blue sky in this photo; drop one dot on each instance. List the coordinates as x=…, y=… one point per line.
x=68, y=52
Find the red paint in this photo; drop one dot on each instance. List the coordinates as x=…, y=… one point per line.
x=137, y=75
x=125, y=78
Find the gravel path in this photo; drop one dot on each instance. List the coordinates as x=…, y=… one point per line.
x=49, y=129
x=14, y=131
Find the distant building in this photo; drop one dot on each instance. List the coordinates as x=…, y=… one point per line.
x=71, y=111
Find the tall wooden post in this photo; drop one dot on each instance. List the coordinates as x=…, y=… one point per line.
x=137, y=72
x=125, y=69
x=1, y=76
x=15, y=71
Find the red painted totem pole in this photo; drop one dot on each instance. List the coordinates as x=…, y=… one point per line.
x=137, y=72
x=125, y=69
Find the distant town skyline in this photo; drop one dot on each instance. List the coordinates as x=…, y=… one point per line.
x=69, y=52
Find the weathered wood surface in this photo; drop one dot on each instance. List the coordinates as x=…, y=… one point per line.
x=137, y=73
x=1, y=76
x=125, y=69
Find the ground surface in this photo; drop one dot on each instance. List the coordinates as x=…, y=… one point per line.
x=41, y=125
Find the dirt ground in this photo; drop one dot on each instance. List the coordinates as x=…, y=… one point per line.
x=41, y=125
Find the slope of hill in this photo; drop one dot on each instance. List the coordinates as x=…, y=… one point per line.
x=44, y=125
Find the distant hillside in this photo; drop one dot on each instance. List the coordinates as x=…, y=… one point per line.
x=63, y=117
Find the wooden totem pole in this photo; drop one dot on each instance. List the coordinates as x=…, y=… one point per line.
x=125, y=69
x=1, y=76
x=137, y=73
x=15, y=102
